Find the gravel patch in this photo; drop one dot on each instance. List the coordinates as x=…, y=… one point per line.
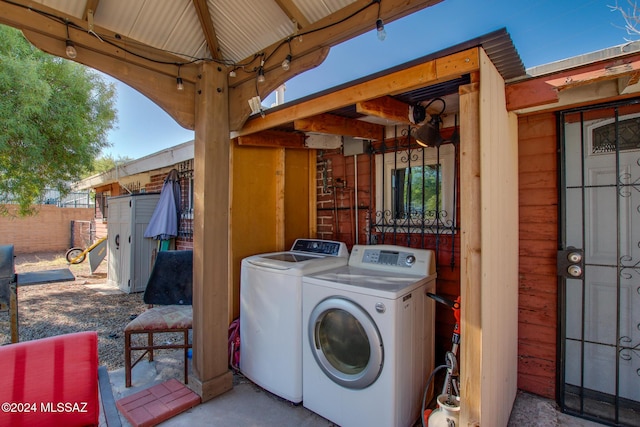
x=58, y=308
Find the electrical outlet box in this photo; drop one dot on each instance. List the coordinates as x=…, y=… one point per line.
x=322, y=141
x=352, y=146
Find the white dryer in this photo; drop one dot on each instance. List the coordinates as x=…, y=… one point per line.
x=271, y=312
x=368, y=336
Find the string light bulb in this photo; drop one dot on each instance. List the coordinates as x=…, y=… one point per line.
x=382, y=34
x=286, y=64
x=179, y=82
x=232, y=73
x=261, y=75
x=71, y=48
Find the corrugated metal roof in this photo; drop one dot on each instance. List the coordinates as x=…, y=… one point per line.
x=584, y=59
x=499, y=47
x=314, y=10
x=241, y=40
x=243, y=27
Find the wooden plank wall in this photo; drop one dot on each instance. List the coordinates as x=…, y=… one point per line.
x=499, y=251
x=538, y=301
x=256, y=207
x=298, y=187
x=270, y=192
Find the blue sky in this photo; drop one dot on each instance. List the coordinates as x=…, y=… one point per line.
x=543, y=31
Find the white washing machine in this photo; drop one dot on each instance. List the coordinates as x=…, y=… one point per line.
x=368, y=336
x=271, y=312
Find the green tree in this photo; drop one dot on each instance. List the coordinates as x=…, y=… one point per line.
x=54, y=119
x=106, y=163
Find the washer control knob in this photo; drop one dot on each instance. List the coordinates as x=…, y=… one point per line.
x=380, y=307
x=410, y=260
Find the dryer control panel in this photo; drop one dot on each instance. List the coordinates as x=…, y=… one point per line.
x=393, y=258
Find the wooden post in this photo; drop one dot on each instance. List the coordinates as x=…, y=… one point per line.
x=499, y=256
x=470, y=255
x=211, y=235
x=489, y=250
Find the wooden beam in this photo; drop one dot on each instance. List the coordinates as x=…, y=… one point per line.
x=153, y=79
x=386, y=108
x=110, y=45
x=336, y=125
x=630, y=80
x=209, y=31
x=544, y=90
x=90, y=9
x=158, y=87
x=610, y=72
x=421, y=75
x=273, y=138
x=336, y=28
x=293, y=12
x=240, y=95
x=531, y=93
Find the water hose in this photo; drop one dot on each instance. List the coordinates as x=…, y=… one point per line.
x=426, y=390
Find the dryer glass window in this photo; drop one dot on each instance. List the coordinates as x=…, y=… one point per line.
x=344, y=342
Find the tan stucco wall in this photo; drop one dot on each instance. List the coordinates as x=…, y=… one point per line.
x=49, y=230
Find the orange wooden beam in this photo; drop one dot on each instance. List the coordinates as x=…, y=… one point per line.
x=336, y=125
x=273, y=138
x=544, y=90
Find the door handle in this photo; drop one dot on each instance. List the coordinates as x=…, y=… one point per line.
x=570, y=263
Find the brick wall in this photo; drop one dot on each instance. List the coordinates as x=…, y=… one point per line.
x=185, y=240
x=336, y=201
x=81, y=234
x=48, y=231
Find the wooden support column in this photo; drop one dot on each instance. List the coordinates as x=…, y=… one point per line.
x=489, y=250
x=470, y=255
x=211, y=235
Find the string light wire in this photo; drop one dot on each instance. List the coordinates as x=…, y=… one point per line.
x=236, y=65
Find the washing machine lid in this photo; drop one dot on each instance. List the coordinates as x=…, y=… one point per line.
x=385, y=284
x=284, y=260
x=289, y=257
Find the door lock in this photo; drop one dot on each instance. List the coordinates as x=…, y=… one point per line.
x=570, y=263
x=574, y=270
x=574, y=257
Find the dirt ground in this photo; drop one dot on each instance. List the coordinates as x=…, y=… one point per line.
x=54, y=260
x=52, y=309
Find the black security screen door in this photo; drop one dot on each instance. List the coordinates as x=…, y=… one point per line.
x=599, y=263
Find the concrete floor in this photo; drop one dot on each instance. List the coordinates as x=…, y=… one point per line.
x=248, y=405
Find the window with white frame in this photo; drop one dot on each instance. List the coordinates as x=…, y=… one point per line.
x=415, y=190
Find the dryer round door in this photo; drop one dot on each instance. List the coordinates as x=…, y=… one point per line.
x=346, y=343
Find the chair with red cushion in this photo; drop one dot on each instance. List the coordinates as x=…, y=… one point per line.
x=50, y=381
x=169, y=292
